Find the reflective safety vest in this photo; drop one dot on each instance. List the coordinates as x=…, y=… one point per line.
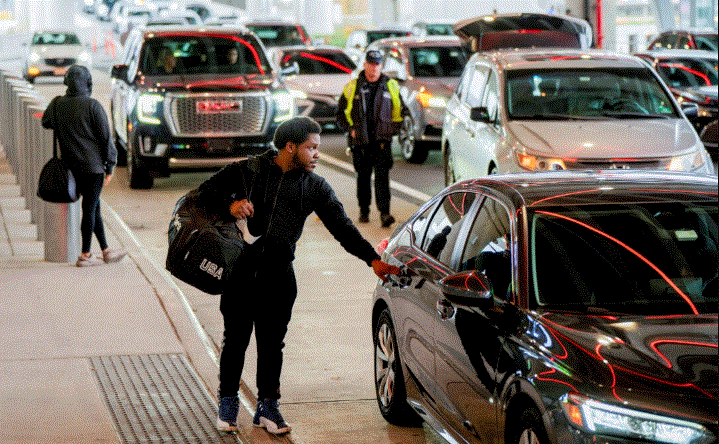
x=392, y=86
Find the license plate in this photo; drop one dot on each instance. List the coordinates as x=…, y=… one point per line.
x=219, y=145
x=218, y=106
x=59, y=71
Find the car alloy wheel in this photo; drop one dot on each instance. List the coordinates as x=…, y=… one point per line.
x=389, y=382
x=413, y=151
x=528, y=427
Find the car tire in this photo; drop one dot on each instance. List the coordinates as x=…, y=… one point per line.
x=413, y=150
x=449, y=176
x=528, y=428
x=389, y=379
x=137, y=173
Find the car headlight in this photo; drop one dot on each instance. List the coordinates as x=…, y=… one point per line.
x=84, y=57
x=606, y=419
x=148, y=108
x=539, y=163
x=33, y=57
x=688, y=162
x=427, y=100
x=285, y=104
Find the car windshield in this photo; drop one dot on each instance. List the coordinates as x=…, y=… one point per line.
x=706, y=41
x=178, y=54
x=655, y=258
x=609, y=93
x=319, y=62
x=279, y=35
x=373, y=36
x=686, y=72
x=439, y=29
x=438, y=61
x=55, y=38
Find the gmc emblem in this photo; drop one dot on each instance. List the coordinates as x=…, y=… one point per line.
x=218, y=106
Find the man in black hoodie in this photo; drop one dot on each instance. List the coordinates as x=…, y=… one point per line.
x=275, y=194
x=87, y=149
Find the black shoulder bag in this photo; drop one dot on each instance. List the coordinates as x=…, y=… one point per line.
x=56, y=182
x=204, y=251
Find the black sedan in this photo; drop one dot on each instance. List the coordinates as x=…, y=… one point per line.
x=562, y=308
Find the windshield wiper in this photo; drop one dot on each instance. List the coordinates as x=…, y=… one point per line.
x=623, y=115
x=558, y=117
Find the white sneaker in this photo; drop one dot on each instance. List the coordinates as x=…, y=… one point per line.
x=89, y=261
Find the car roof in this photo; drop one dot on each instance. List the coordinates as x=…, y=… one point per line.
x=546, y=189
x=271, y=22
x=681, y=53
x=418, y=41
x=195, y=29
x=543, y=58
x=309, y=48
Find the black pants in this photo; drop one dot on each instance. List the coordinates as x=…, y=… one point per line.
x=366, y=158
x=265, y=302
x=90, y=186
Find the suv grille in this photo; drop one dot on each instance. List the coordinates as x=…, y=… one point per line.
x=641, y=164
x=225, y=115
x=59, y=62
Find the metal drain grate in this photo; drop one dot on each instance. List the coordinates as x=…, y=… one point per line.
x=157, y=399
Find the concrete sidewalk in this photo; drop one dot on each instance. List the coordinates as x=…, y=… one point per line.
x=107, y=354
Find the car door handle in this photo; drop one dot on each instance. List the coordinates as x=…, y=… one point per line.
x=445, y=309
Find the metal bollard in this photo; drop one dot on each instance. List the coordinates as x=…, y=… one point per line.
x=62, y=231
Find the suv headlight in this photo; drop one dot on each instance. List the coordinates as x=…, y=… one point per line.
x=33, y=57
x=428, y=100
x=285, y=105
x=539, y=163
x=148, y=108
x=605, y=419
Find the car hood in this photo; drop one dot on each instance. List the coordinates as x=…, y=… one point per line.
x=319, y=84
x=605, y=139
x=209, y=82
x=57, y=51
x=653, y=361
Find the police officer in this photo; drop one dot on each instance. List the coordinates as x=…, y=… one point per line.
x=370, y=110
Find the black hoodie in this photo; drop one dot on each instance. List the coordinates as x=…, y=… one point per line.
x=282, y=201
x=81, y=126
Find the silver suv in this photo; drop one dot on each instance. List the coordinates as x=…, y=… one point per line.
x=545, y=109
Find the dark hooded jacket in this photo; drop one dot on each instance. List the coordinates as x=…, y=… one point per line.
x=293, y=196
x=81, y=126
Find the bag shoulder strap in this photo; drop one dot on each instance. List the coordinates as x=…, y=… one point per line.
x=54, y=131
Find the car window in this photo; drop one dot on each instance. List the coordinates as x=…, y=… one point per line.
x=202, y=54
x=319, y=62
x=55, y=38
x=274, y=35
x=487, y=247
x=475, y=86
x=491, y=97
x=706, y=42
x=688, y=72
x=605, y=92
x=683, y=43
x=437, y=61
x=444, y=227
x=373, y=36
x=654, y=258
x=420, y=225
x=464, y=81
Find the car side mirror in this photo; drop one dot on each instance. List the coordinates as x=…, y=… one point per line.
x=691, y=110
x=471, y=288
x=479, y=114
x=119, y=72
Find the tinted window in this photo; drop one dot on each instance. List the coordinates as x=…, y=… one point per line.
x=438, y=61
x=376, y=35
x=610, y=93
x=688, y=72
x=444, y=227
x=658, y=258
x=318, y=62
x=707, y=42
x=439, y=29
x=491, y=97
x=200, y=54
x=487, y=247
x=274, y=35
x=55, y=38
